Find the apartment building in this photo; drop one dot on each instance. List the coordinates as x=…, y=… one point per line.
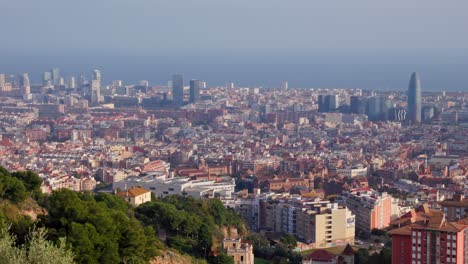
x=312, y=221
x=432, y=240
x=455, y=208
x=328, y=226
x=372, y=209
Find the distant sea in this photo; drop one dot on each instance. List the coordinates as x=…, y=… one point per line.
x=369, y=71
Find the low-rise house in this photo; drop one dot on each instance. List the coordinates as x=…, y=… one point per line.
x=136, y=195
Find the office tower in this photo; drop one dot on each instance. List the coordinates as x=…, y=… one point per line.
x=284, y=85
x=354, y=102
x=178, y=88
x=97, y=75
x=203, y=85
x=379, y=108
x=195, y=86
x=72, y=82
x=322, y=104
x=95, y=91
x=144, y=83
x=2, y=81
x=230, y=85
x=385, y=109
x=47, y=78
x=83, y=80
x=328, y=103
x=4, y=85
x=55, y=76
x=358, y=105
x=414, y=99
x=61, y=81
x=117, y=83
x=398, y=114
x=333, y=102
x=25, y=85
x=96, y=87
x=427, y=113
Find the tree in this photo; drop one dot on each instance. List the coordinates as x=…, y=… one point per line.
x=289, y=240
x=361, y=256
x=221, y=259
x=32, y=182
x=101, y=228
x=37, y=250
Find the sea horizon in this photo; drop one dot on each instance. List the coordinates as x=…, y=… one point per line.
x=357, y=71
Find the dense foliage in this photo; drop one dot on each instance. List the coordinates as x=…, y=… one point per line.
x=15, y=187
x=36, y=250
x=192, y=225
x=101, y=228
x=278, y=253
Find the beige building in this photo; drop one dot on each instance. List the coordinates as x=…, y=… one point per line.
x=136, y=195
x=241, y=252
x=326, y=226
x=313, y=221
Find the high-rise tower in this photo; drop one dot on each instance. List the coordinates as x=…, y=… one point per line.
x=2, y=81
x=195, y=86
x=414, y=99
x=178, y=88
x=72, y=82
x=47, y=78
x=25, y=85
x=55, y=75
x=96, y=87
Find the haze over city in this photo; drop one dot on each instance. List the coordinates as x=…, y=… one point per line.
x=233, y=132
x=355, y=44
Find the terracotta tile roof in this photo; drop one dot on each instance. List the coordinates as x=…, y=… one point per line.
x=463, y=221
x=348, y=251
x=404, y=231
x=132, y=192
x=320, y=255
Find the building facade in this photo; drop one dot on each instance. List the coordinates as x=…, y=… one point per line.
x=414, y=99
x=372, y=209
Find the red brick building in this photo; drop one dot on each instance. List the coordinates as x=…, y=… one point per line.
x=432, y=240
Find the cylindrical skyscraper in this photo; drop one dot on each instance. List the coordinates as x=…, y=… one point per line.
x=414, y=99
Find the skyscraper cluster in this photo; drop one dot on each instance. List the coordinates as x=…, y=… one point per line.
x=328, y=103
x=178, y=89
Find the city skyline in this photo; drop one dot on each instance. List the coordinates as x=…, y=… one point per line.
x=44, y=76
x=234, y=132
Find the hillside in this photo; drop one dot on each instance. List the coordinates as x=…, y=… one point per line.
x=102, y=228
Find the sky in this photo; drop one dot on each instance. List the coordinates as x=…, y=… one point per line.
x=426, y=30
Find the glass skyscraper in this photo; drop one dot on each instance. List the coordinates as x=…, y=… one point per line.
x=195, y=86
x=178, y=88
x=414, y=99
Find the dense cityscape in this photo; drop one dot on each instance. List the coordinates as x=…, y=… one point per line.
x=325, y=175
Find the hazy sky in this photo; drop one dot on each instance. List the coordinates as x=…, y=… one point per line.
x=236, y=26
